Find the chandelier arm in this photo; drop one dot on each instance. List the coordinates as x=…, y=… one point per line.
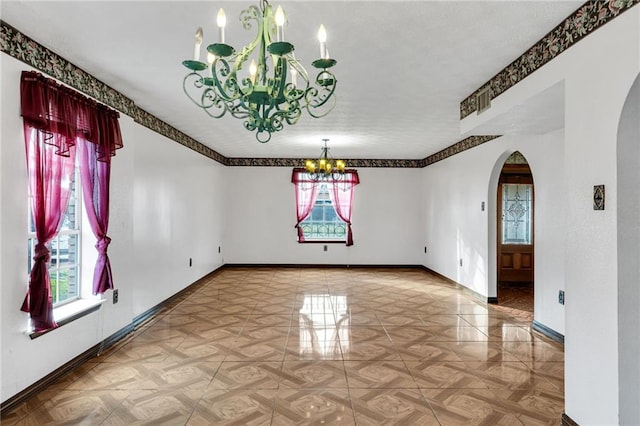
x=267, y=27
x=250, y=123
x=225, y=81
x=319, y=105
x=313, y=112
x=211, y=100
x=290, y=111
x=295, y=64
x=279, y=79
x=198, y=83
x=294, y=93
x=252, y=13
x=326, y=82
x=237, y=110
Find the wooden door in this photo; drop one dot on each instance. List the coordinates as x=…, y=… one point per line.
x=515, y=225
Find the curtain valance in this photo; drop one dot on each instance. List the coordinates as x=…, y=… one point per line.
x=64, y=114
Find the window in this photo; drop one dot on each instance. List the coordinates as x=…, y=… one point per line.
x=323, y=206
x=323, y=223
x=57, y=123
x=64, y=265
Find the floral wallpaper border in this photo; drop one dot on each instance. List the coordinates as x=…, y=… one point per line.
x=588, y=18
x=299, y=162
x=457, y=148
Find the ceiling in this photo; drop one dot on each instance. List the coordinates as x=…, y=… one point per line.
x=403, y=66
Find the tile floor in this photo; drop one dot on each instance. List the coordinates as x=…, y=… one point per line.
x=288, y=346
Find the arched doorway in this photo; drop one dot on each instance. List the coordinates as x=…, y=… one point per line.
x=515, y=231
x=628, y=221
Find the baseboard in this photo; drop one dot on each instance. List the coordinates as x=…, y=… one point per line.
x=472, y=293
x=319, y=265
x=549, y=332
x=98, y=348
x=568, y=421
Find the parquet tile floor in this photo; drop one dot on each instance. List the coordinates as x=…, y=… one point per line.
x=292, y=346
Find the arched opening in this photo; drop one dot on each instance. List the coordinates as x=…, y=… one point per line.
x=515, y=236
x=628, y=220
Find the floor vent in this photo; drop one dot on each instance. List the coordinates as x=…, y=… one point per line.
x=484, y=99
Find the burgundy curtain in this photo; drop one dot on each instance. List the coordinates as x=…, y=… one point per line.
x=50, y=176
x=55, y=119
x=341, y=194
x=95, y=170
x=306, y=195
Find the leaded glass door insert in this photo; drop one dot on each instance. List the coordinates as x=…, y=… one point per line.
x=516, y=213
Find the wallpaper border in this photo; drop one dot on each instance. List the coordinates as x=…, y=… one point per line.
x=586, y=19
x=298, y=162
x=456, y=148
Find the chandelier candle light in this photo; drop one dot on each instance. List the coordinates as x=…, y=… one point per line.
x=325, y=167
x=269, y=95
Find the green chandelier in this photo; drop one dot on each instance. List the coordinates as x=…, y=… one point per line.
x=276, y=87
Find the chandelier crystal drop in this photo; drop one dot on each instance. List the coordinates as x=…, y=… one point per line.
x=269, y=91
x=325, y=167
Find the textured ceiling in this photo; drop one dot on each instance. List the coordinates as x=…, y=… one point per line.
x=403, y=66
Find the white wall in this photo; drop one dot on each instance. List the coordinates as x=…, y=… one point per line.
x=177, y=215
x=261, y=216
x=628, y=255
x=166, y=206
x=456, y=227
x=598, y=72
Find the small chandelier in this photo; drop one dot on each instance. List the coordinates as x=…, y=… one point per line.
x=267, y=96
x=325, y=167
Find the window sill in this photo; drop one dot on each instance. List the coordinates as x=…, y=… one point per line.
x=322, y=242
x=69, y=313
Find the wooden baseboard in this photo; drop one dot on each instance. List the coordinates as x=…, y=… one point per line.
x=549, y=332
x=316, y=265
x=568, y=421
x=99, y=348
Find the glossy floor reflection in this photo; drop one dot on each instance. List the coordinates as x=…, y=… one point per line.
x=285, y=346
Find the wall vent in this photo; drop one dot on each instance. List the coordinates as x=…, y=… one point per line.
x=484, y=99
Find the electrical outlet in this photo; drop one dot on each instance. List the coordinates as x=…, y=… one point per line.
x=561, y=297
x=190, y=262
x=482, y=206
x=326, y=248
x=115, y=296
